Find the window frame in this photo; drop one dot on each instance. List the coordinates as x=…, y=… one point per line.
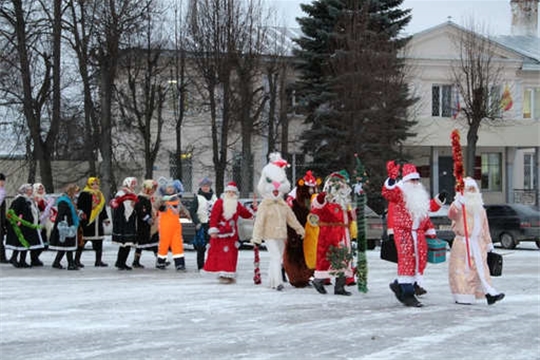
x=492, y=172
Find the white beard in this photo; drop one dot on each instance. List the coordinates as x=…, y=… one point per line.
x=416, y=200
x=473, y=202
x=230, y=202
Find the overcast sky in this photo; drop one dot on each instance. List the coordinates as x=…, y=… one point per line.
x=493, y=15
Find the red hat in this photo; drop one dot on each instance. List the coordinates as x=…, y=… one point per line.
x=409, y=172
x=231, y=186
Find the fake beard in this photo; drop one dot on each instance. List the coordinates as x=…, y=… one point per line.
x=341, y=197
x=473, y=202
x=416, y=199
x=230, y=202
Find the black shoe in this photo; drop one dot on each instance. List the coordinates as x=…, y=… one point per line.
x=36, y=263
x=57, y=266
x=73, y=267
x=318, y=284
x=418, y=290
x=79, y=264
x=412, y=301
x=396, y=289
x=14, y=262
x=492, y=299
x=24, y=264
x=137, y=265
x=101, y=264
x=280, y=287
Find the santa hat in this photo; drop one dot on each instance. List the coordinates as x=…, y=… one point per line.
x=470, y=182
x=231, y=186
x=409, y=172
x=309, y=179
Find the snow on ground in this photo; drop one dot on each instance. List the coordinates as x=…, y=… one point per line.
x=103, y=313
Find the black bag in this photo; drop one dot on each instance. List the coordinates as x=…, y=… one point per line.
x=495, y=263
x=388, y=250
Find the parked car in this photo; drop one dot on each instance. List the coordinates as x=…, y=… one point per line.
x=510, y=224
x=188, y=228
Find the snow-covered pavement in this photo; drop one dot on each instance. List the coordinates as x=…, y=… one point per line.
x=103, y=313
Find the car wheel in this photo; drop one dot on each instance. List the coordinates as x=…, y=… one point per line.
x=507, y=241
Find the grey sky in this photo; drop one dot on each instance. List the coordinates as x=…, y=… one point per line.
x=493, y=15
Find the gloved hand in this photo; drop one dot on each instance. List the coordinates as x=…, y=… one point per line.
x=391, y=181
x=392, y=169
x=491, y=247
x=442, y=196
x=459, y=200
x=320, y=197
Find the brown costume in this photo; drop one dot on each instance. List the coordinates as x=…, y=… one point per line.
x=293, y=257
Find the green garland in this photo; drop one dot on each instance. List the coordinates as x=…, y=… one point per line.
x=361, y=241
x=15, y=220
x=339, y=258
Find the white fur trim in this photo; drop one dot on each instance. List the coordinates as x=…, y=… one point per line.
x=213, y=230
x=411, y=176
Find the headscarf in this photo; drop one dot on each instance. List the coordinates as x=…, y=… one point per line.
x=98, y=200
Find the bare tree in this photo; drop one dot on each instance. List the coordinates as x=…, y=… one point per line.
x=477, y=76
x=142, y=98
x=27, y=34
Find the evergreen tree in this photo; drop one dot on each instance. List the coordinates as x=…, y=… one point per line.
x=352, y=83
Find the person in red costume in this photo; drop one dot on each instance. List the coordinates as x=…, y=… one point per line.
x=409, y=204
x=331, y=207
x=223, y=250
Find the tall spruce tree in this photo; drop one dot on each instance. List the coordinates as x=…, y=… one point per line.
x=352, y=84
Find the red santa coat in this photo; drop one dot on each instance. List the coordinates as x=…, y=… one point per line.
x=412, y=260
x=223, y=250
x=334, y=223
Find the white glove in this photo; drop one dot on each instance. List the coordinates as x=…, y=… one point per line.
x=491, y=247
x=459, y=199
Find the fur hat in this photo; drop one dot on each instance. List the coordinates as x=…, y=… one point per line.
x=231, y=186
x=149, y=184
x=470, y=182
x=24, y=188
x=409, y=172
x=205, y=182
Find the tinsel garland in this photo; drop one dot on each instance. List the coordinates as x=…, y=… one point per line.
x=361, y=241
x=15, y=221
x=458, y=160
x=256, y=264
x=339, y=258
x=457, y=156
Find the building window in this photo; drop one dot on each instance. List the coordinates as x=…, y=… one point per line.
x=531, y=103
x=492, y=172
x=444, y=101
x=529, y=170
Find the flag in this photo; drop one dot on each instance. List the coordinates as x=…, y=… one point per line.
x=506, y=99
x=456, y=107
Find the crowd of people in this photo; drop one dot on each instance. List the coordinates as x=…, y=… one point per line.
x=308, y=231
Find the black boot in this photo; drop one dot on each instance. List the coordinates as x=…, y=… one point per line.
x=137, y=259
x=22, y=260
x=123, y=253
x=13, y=259
x=318, y=284
x=492, y=299
x=161, y=263
x=283, y=274
x=78, y=254
x=3, y=258
x=71, y=262
x=180, y=264
x=34, y=258
x=396, y=289
x=56, y=263
x=339, y=288
x=407, y=296
x=98, y=248
x=201, y=251
x=418, y=290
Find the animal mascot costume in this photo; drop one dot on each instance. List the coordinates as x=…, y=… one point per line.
x=298, y=272
x=273, y=216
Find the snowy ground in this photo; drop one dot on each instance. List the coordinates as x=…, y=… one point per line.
x=103, y=313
